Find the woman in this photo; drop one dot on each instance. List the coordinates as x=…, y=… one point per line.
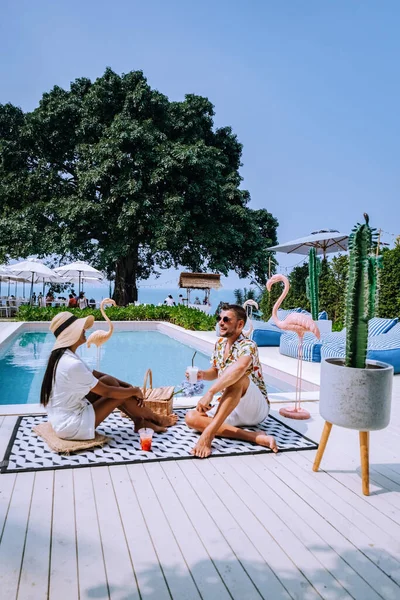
x=82, y=301
x=77, y=400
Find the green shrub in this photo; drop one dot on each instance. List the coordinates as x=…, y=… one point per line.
x=189, y=318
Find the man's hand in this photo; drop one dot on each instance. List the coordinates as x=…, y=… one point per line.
x=200, y=375
x=203, y=404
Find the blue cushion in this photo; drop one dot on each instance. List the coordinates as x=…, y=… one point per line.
x=384, y=347
x=265, y=334
x=323, y=316
x=376, y=326
x=289, y=346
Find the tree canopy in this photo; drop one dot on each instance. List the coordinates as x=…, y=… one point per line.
x=113, y=172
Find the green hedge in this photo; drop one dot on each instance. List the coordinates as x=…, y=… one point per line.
x=189, y=318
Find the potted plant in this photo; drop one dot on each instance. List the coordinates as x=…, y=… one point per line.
x=356, y=393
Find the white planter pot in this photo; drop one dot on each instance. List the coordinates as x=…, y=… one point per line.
x=356, y=398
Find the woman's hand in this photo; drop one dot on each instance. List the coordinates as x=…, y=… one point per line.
x=138, y=395
x=203, y=404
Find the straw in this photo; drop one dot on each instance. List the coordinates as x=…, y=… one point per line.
x=193, y=358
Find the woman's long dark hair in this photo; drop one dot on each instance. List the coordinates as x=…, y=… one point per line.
x=48, y=379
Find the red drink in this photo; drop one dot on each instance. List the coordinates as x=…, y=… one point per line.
x=145, y=444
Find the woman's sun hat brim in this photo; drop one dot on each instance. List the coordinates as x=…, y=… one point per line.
x=68, y=329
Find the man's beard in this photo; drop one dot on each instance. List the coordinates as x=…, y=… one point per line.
x=227, y=334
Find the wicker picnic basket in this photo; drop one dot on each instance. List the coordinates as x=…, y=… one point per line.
x=159, y=399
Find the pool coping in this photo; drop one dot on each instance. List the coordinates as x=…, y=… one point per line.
x=199, y=340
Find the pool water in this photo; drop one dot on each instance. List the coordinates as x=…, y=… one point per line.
x=127, y=355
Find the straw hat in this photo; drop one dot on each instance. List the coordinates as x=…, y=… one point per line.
x=67, y=328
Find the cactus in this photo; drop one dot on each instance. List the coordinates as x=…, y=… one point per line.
x=361, y=293
x=312, y=282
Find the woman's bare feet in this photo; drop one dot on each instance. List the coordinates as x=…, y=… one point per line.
x=203, y=447
x=156, y=428
x=266, y=440
x=166, y=420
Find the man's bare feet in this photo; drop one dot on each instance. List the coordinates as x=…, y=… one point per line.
x=166, y=420
x=203, y=447
x=266, y=440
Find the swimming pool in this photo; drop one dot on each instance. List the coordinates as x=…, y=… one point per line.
x=127, y=355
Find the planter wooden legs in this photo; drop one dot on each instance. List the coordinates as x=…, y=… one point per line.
x=322, y=445
x=364, y=451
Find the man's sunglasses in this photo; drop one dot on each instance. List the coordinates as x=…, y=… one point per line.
x=224, y=319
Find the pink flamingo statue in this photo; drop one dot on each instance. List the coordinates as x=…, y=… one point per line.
x=99, y=337
x=300, y=324
x=251, y=304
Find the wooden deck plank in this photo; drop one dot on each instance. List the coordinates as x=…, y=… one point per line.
x=34, y=581
x=203, y=570
x=92, y=579
x=259, y=555
x=6, y=429
x=325, y=509
x=177, y=574
x=370, y=512
x=14, y=534
x=6, y=489
x=221, y=552
x=120, y=574
x=315, y=531
x=251, y=509
x=149, y=574
x=345, y=467
x=63, y=558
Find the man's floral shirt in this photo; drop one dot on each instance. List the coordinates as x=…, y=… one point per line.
x=242, y=347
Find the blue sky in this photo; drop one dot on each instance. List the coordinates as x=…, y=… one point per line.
x=311, y=88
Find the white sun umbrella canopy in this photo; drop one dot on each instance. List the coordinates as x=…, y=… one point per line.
x=79, y=270
x=32, y=270
x=325, y=241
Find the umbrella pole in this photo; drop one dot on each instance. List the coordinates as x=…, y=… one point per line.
x=31, y=292
x=79, y=283
x=9, y=287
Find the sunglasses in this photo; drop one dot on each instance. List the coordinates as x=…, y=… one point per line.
x=224, y=319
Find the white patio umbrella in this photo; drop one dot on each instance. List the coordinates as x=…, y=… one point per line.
x=6, y=275
x=79, y=270
x=33, y=270
x=325, y=241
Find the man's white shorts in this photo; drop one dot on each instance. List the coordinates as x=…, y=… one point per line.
x=251, y=410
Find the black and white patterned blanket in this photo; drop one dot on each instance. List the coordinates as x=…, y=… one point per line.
x=29, y=452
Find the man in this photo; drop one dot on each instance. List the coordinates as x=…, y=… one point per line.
x=169, y=301
x=244, y=402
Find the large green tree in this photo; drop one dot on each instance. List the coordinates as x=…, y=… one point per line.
x=115, y=173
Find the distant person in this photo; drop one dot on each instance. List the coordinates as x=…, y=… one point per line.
x=181, y=299
x=72, y=301
x=169, y=301
x=41, y=300
x=197, y=300
x=205, y=302
x=33, y=298
x=82, y=301
x=49, y=299
x=92, y=303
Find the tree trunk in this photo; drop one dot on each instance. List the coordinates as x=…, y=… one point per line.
x=125, y=289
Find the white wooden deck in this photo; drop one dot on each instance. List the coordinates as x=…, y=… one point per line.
x=238, y=527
